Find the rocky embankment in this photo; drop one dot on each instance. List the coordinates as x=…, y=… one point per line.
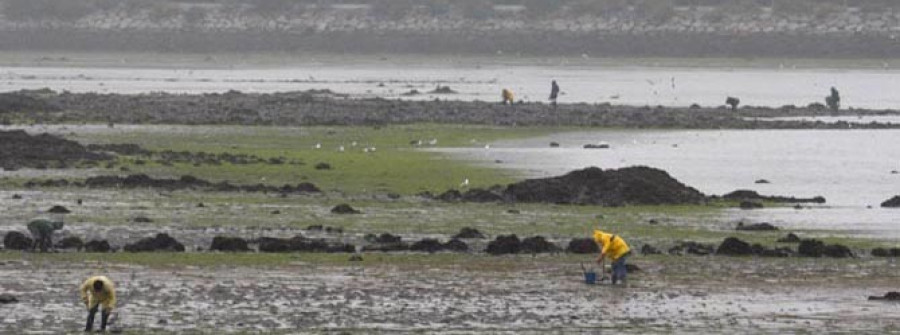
x=327, y=108
x=642, y=28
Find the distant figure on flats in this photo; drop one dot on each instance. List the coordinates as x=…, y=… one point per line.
x=42, y=233
x=833, y=101
x=554, y=92
x=614, y=247
x=507, y=96
x=98, y=292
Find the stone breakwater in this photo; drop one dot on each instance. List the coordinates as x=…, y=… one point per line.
x=326, y=108
x=679, y=31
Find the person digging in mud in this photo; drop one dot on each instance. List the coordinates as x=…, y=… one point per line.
x=98, y=292
x=615, y=248
x=507, y=96
x=42, y=233
x=554, y=92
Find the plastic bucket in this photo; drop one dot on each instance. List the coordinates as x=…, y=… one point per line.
x=590, y=277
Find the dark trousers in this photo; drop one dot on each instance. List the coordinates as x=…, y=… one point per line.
x=619, y=270
x=104, y=317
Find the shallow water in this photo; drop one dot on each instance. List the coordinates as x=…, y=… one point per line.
x=632, y=85
x=852, y=169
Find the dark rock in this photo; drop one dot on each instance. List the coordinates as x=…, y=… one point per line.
x=17, y=241
x=16, y=197
x=750, y=205
x=650, y=250
x=816, y=248
x=596, y=146
x=21, y=150
x=141, y=219
x=335, y=230
x=97, y=246
x=59, y=210
x=456, y=245
x=481, y=195
x=467, y=232
x=450, y=196
x=442, y=90
x=356, y=258
x=385, y=242
x=554, y=145
x=200, y=205
x=71, y=242
x=632, y=268
x=224, y=243
x=6, y=298
x=428, y=245
x=275, y=212
x=892, y=202
x=692, y=248
x=582, y=246
x=161, y=242
x=504, y=244
x=592, y=186
x=762, y=181
x=890, y=296
x=733, y=246
x=344, y=209
x=884, y=252
x=749, y=195
x=270, y=244
x=756, y=227
x=323, y=166
x=537, y=244
x=316, y=227
x=790, y=238
x=513, y=211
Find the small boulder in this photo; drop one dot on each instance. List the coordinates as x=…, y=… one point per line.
x=816, y=248
x=733, y=246
x=761, y=181
x=582, y=246
x=428, y=245
x=323, y=166
x=232, y=244
x=504, y=244
x=692, y=248
x=790, y=238
x=890, y=296
x=142, y=219
x=456, y=245
x=537, y=244
x=892, y=202
x=554, y=145
x=16, y=197
x=344, y=209
x=467, y=232
x=71, y=242
x=59, y=210
x=17, y=241
x=756, y=227
x=884, y=252
x=7, y=298
x=97, y=246
x=161, y=242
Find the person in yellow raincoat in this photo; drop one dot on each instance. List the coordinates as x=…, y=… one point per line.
x=615, y=248
x=98, y=292
x=507, y=96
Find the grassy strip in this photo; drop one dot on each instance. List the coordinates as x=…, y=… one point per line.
x=394, y=166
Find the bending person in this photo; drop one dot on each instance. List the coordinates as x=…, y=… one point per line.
x=98, y=292
x=614, y=247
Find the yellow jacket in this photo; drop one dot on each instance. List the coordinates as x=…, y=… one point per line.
x=615, y=248
x=507, y=96
x=106, y=297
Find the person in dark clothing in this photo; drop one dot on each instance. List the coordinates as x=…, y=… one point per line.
x=554, y=92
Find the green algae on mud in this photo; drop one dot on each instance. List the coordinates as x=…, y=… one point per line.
x=363, y=159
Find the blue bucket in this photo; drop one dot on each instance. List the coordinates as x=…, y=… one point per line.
x=590, y=277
